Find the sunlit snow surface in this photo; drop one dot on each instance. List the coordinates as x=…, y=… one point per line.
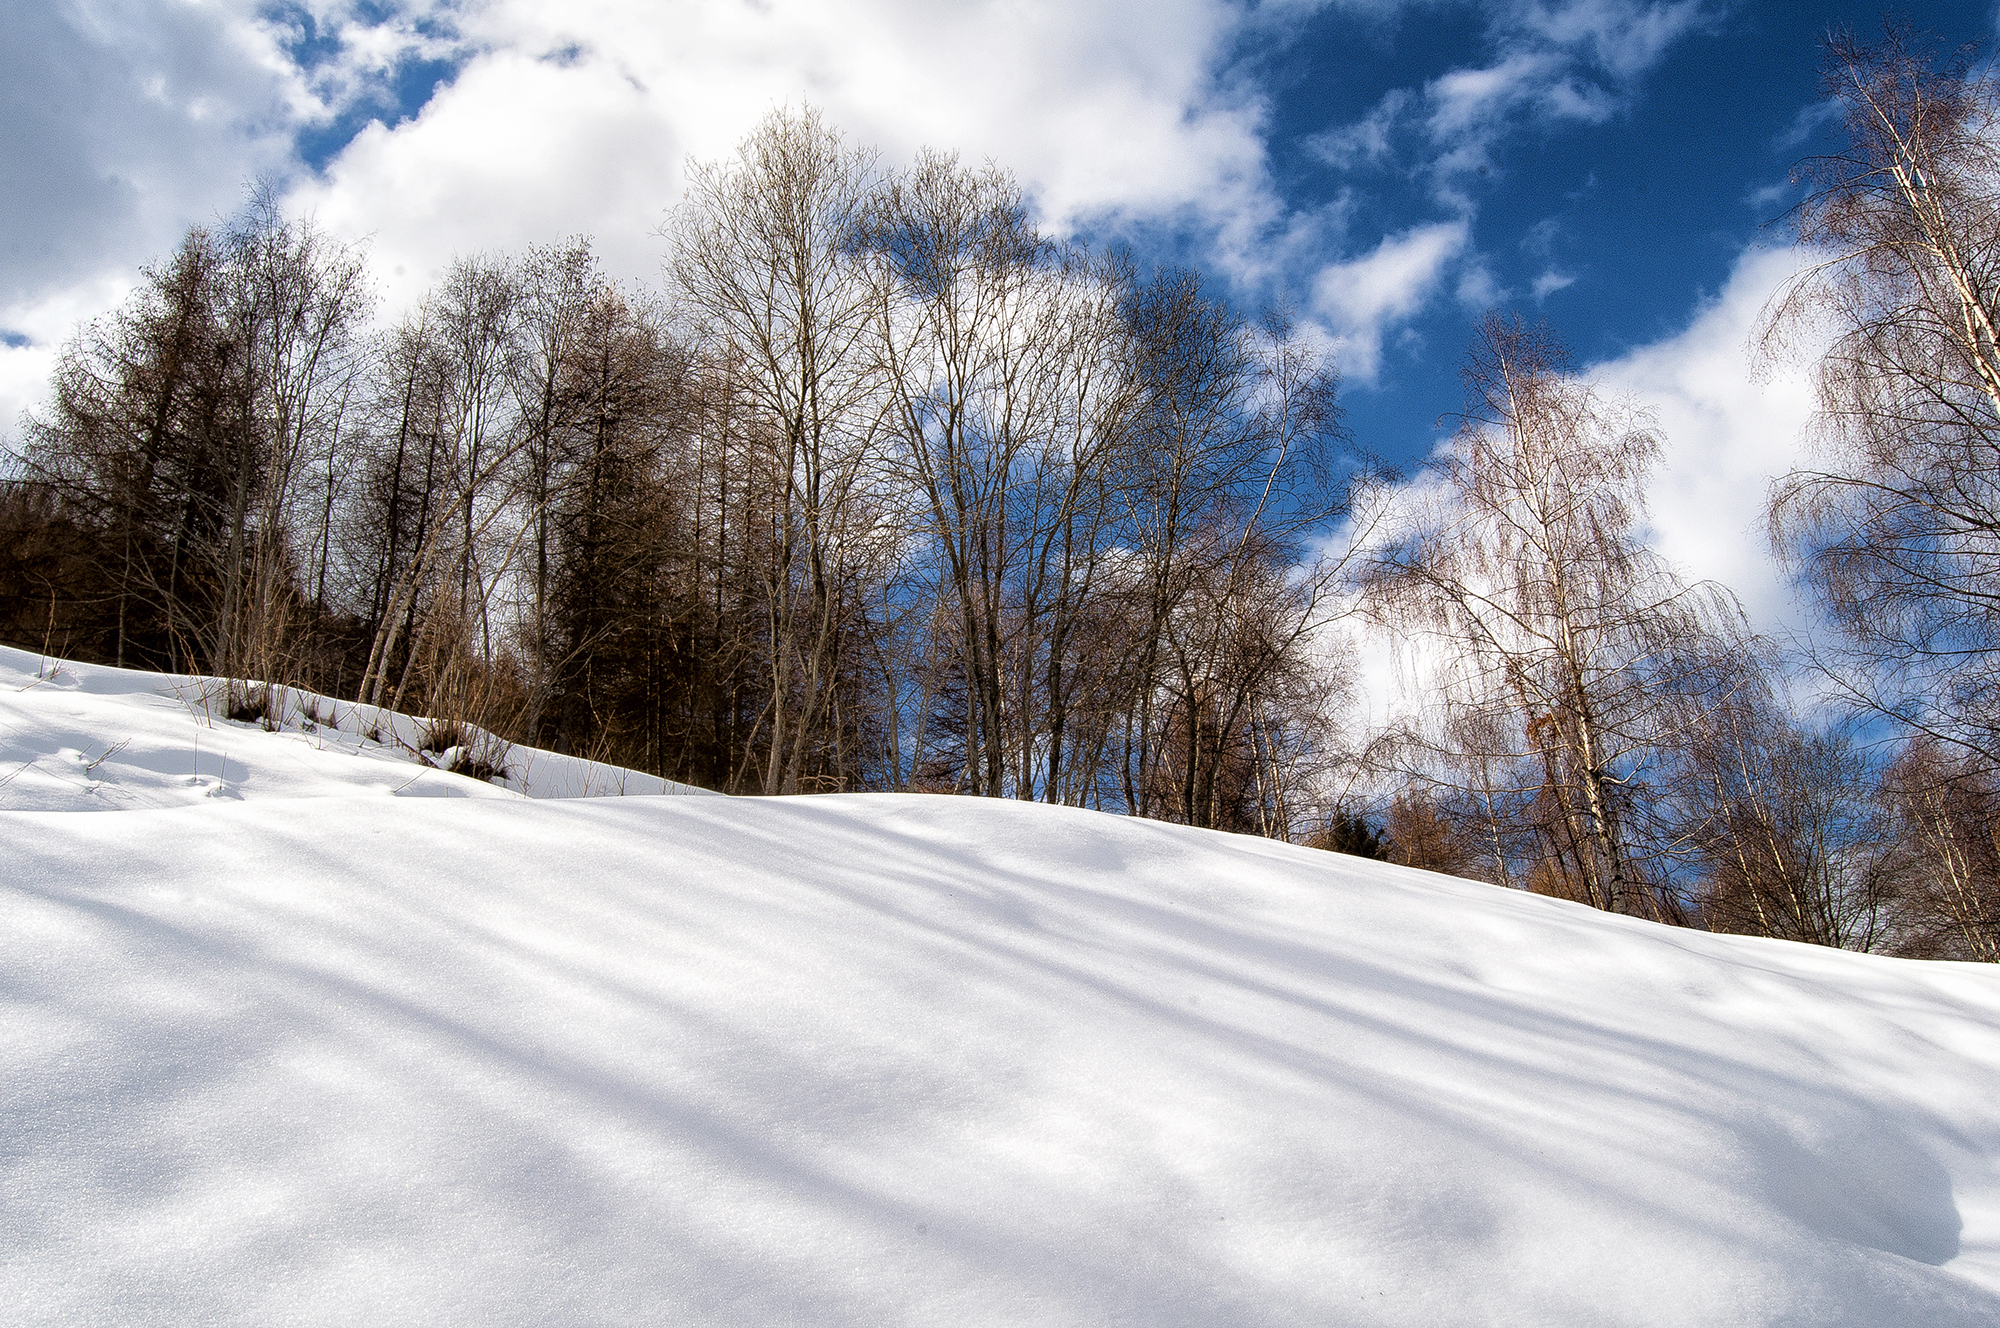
x=76, y=737
x=281, y=1043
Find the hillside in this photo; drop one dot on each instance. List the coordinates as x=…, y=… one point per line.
x=284, y=1042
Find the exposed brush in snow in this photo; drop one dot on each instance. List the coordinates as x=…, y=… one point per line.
x=464, y=761
x=249, y=703
x=441, y=735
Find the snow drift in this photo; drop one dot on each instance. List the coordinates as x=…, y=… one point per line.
x=319, y=1051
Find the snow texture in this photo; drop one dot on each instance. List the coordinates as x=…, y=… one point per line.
x=277, y=1047
x=77, y=737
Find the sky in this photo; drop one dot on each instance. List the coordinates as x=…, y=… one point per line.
x=1618, y=167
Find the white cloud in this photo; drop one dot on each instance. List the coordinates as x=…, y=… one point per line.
x=1809, y=120
x=1362, y=298
x=1549, y=282
x=1764, y=197
x=1120, y=115
x=119, y=120
x=1730, y=429
x=1551, y=64
x=1540, y=238
x=519, y=150
x=1730, y=426
x=1111, y=113
x=1623, y=37
x=123, y=122
x=141, y=119
x=1576, y=63
x=1369, y=139
x=1467, y=100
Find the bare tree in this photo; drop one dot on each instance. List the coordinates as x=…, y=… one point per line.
x=1896, y=531
x=615, y=528
x=1192, y=444
x=128, y=445
x=299, y=299
x=890, y=490
x=1432, y=832
x=1945, y=863
x=200, y=427
x=1783, y=828
x=965, y=317
x=1067, y=520
x=558, y=285
x=1570, y=660
x=452, y=405
x=761, y=251
x=1245, y=635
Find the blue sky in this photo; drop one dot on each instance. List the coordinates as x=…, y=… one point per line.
x=1630, y=198
x=1396, y=168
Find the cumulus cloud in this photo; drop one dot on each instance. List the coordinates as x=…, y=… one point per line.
x=581, y=117
x=126, y=121
x=1122, y=117
x=129, y=120
x=1730, y=423
x=116, y=116
x=134, y=120
x=1118, y=115
x=1730, y=426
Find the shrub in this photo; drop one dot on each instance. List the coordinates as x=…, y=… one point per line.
x=441, y=735
x=465, y=763
x=1350, y=832
x=249, y=704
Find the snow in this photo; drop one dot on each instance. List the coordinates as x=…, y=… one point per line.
x=320, y=1051
x=89, y=738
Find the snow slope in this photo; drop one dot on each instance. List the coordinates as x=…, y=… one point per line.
x=89, y=738
x=303, y=1057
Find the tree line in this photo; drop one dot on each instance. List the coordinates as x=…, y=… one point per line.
x=1601, y=730
x=883, y=488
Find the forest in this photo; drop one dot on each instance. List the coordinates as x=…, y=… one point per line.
x=880, y=487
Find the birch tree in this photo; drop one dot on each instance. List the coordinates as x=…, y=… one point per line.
x=1895, y=528
x=1568, y=655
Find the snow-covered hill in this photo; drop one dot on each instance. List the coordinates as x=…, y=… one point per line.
x=77, y=737
x=308, y=1052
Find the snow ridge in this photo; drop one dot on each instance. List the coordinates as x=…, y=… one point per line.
x=79, y=737
x=313, y=1050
